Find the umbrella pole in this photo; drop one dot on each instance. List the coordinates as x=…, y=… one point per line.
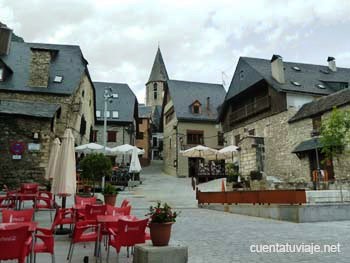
x=61, y=230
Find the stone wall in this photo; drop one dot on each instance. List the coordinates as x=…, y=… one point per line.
x=72, y=108
x=247, y=162
x=39, y=69
x=280, y=139
x=145, y=143
x=123, y=137
x=150, y=101
x=33, y=163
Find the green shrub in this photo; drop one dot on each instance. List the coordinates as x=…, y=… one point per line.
x=94, y=166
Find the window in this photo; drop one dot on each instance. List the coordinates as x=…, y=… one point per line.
x=111, y=136
x=59, y=79
x=140, y=137
x=195, y=137
x=169, y=115
x=237, y=139
x=98, y=114
x=155, y=91
x=251, y=132
x=221, y=138
x=82, y=125
x=115, y=114
x=115, y=96
x=83, y=93
x=1, y=74
x=316, y=125
x=196, y=107
x=108, y=114
x=94, y=136
x=241, y=75
x=154, y=141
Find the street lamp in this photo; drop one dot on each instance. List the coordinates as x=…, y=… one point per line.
x=107, y=96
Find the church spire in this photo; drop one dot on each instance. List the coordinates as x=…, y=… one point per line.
x=158, y=72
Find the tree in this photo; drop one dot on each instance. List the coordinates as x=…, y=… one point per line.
x=94, y=166
x=335, y=133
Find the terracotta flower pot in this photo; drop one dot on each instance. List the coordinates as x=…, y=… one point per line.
x=160, y=233
x=110, y=199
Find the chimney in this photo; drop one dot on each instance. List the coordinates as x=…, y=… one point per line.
x=208, y=104
x=39, y=68
x=5, y=39
x=331, y=64
x=277, y=68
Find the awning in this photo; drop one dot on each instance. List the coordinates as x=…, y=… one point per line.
x=308, y=145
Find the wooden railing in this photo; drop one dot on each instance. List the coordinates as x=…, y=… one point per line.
x=252, y=197
x=247, y=110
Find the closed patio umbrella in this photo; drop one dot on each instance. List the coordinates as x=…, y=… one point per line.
x=64, y=180
x=135, y=166
x=53, y=159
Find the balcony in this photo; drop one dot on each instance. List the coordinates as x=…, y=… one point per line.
x=248, y=110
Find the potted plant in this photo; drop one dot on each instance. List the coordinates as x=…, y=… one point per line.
x=94, y=166
x=161, y=219
x=110, y=194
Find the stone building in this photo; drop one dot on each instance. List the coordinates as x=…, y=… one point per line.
x=42, y=77
x=122, y=115
x=263, y=96
x=154, y=99
x=144, y=136
x=310, y=117
x=190, y=112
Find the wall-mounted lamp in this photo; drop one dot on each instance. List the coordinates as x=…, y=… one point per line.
x=36, y=135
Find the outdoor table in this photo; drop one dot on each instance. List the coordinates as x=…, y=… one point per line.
x=32, y=226
x=17, y=196
x=103, y=219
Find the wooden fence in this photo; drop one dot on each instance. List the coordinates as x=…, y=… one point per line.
x=252, y=197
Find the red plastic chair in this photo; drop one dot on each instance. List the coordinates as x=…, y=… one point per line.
x=79, y=200
x=28, y=188
x=81, y=234
x=17, y=216
x=15, y=243
x=92, y=211
x=125, y=203
x=111, y=210
x=46, y=244
x=129, y=233
x=45, y=201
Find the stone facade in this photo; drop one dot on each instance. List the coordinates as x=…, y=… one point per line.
x=39, y=69
x=74, y=108
x=123, y=137
x=150, y=91
x=32, y=165
x=145, y=141
x=280, y=139
x=173, y=145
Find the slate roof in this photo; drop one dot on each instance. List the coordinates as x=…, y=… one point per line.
x=124, y=104
x=145, y=111
x=322, y=105
x=184, y=93
x=309, y=76
x=69, y=63
x=158, y=72
x=308, y=145
x=27, y=108
x=157, y=115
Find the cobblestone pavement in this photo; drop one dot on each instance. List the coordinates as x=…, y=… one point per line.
x=214, y=236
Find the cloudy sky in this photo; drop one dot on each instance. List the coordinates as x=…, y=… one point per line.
x=199, y=40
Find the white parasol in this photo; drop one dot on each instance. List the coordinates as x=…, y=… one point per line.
x=126, y=149
x=199, y=151
x=92, y=148
x=53, y=159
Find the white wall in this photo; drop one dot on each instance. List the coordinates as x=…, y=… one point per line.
x=298, y=100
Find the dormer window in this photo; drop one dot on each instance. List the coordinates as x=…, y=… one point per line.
x=196, y=107
x=98, y=114
x=58, y=79
x=1, y=74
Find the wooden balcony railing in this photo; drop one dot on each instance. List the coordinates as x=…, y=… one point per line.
x=250, y=109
